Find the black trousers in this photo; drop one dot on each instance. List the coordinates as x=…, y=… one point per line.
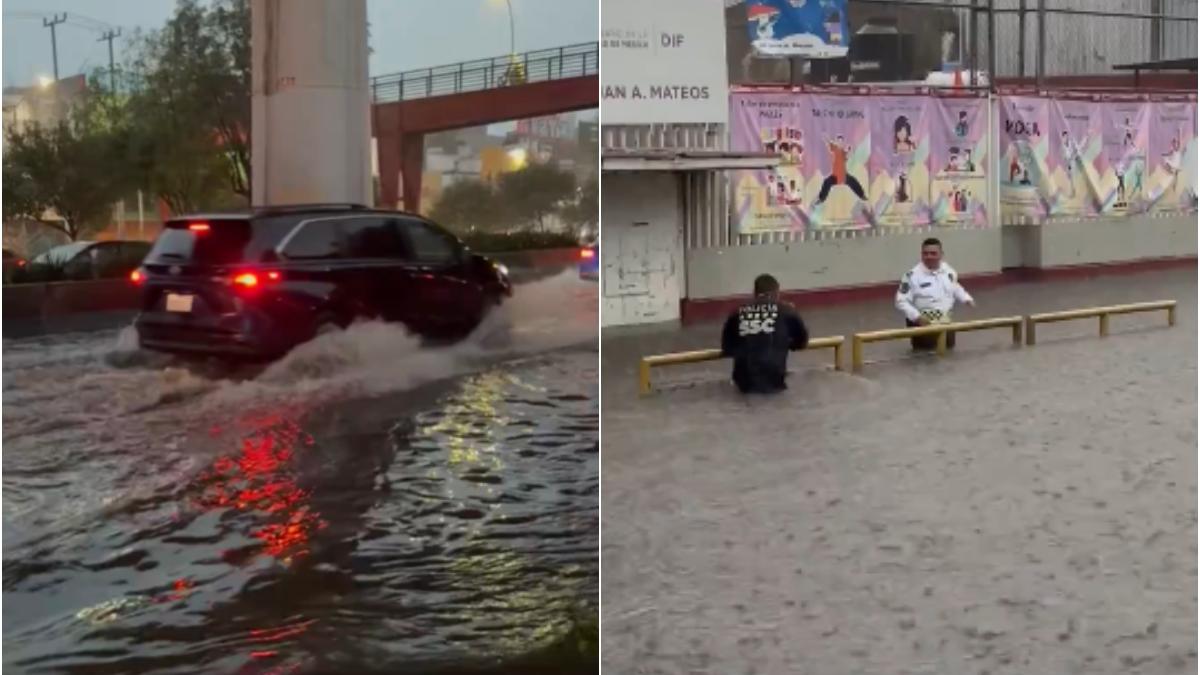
x=851, y=182
x=926, y=343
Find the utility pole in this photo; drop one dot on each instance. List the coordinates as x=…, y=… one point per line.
x=51, y=24
x=111, y=35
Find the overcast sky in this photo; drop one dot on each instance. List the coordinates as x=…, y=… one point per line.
x=420, y=33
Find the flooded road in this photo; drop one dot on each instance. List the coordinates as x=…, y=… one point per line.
x=363, y=505
x=1004, y=511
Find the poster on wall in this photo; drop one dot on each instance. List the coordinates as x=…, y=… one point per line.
x=771, y=200
x=959, y=153
x=1171, y=160
x=823, y=143
x=899, y=166
x=816, y=29
x=1076, y=147
x=1125, y=128
x=840, y=145
x=1025, y=187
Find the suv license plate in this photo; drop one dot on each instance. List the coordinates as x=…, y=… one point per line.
x=179, y=303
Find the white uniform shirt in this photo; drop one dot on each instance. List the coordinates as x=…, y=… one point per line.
x=930, y=293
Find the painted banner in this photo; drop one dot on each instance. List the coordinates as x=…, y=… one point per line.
x=959, y=160
x=823, y=143
x=776, y=123
x=1171, y=162
x=899, y=166
x=840, y=145
x=816, y=29
x=1025, y=185
x=1076, y=145
x=1125, y=128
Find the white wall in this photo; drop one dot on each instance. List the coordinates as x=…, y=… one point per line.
x=1116, y=239
x=837, y=263
x=833, y=263
x=641, y=274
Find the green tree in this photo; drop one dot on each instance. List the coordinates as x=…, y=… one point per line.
x=585, y=210
x=469, y=206
x=534, y=193
x=68, y=167
x=190, y=142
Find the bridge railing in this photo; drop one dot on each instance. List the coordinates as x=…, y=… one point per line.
x=502, y=71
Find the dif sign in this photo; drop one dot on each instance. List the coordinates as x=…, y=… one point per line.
x=663, y=62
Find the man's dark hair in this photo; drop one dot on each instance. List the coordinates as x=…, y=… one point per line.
x=765, y=284
x=932, y=241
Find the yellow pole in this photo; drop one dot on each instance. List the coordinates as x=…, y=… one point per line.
x=941, y=343
x=1016, y=328
x=856, y=354
x=837, y=356
x=1171, y=315
x=1030, y=331
x=1103, y=325
x=644, y=377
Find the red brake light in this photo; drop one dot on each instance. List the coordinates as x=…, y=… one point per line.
x=587, y=254
x=21, y=262
x=252, y=280
x=246, y=280
x=199, y=227
x=137, y=277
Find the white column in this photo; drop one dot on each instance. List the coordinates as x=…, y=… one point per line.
x=310, y=116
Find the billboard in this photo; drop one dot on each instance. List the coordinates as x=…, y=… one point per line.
x=816, y=29
x=664, y=62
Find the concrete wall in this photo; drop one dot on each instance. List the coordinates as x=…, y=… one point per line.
x=1090, y=242
x=641, y=272
x=863, y=261
x=835, y=263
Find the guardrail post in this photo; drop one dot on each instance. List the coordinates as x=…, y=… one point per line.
x=856, y=354
x=1016, y=329
x=1030, y=331
x=941, y=343
x=837, y=356
x=1103, y=325
x=1171, y=315
x=643, y=377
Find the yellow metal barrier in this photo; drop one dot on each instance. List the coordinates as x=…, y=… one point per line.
x=1103, y=313
x=680, y=358
x=940, y=330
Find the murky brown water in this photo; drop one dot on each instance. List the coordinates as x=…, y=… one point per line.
x=362, y=505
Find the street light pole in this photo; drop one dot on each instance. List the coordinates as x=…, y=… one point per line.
x=512, y=29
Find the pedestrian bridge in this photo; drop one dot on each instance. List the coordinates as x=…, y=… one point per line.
x=408, y=105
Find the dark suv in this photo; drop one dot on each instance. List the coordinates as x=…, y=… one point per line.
x=257, y=284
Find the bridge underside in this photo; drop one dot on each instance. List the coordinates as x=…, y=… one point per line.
x=400, y=127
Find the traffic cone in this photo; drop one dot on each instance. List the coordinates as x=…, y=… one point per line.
x=958, y=82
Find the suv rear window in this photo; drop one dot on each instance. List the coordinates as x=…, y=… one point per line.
x=218, y=241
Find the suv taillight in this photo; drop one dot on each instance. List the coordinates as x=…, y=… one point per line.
x=250, y=281
x=138, y=276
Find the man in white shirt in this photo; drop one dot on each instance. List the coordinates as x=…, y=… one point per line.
x=928, y=292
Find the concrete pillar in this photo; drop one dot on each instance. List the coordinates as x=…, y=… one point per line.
x=310, y=111
x=401, y=164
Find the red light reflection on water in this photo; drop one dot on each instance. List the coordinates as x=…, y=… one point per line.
x=260, y=477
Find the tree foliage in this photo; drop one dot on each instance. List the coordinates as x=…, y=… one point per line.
x=191, y=103
x=72, y=168
x=469, y=205
x=535, y=192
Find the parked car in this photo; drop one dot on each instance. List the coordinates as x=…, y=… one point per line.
x=257, y=284
x=84, y=260
x=589, y=262
x=12, y=263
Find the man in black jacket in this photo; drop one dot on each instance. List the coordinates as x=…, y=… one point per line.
x=759, y=335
